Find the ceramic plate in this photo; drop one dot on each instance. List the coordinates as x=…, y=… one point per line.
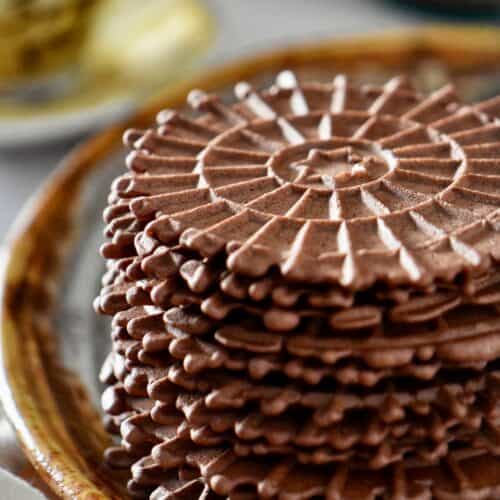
x=52, y=344
x=107, y=82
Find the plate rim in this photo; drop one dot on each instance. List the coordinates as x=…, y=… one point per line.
x=34, y=420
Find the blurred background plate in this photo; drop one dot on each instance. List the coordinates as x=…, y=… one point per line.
x=52, y=344
x=70, y=66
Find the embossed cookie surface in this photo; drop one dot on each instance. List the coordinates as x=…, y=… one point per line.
x=305, y=293
x=328, y=182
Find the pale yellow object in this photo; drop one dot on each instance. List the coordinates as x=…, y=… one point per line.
x=39, y=36
x=141, y=42
x=130, y=49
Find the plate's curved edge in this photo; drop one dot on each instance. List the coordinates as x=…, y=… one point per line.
x=40, y=428
x=25, y=391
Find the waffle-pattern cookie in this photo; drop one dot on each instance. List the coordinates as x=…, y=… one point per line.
x=304, y=290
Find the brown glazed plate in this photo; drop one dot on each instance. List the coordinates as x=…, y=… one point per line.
x=51, y=342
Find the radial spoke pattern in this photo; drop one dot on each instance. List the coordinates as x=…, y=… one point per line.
x=305, y=293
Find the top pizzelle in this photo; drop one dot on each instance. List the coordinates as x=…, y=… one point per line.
x=329, y=183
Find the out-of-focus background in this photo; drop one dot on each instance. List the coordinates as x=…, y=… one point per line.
x=69, y=67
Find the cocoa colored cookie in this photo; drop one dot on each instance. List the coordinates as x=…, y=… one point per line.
x=304, y=292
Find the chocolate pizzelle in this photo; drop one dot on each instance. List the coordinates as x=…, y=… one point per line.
x=304, y=289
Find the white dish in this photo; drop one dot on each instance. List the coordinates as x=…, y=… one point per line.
x=123, y=59
x=13, y=488
x=62, y=125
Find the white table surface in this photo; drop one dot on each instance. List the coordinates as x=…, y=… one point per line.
x=244, y=27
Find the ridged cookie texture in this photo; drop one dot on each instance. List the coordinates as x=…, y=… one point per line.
x=304, y=293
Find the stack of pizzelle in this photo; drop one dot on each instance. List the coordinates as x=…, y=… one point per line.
x=304, y=289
